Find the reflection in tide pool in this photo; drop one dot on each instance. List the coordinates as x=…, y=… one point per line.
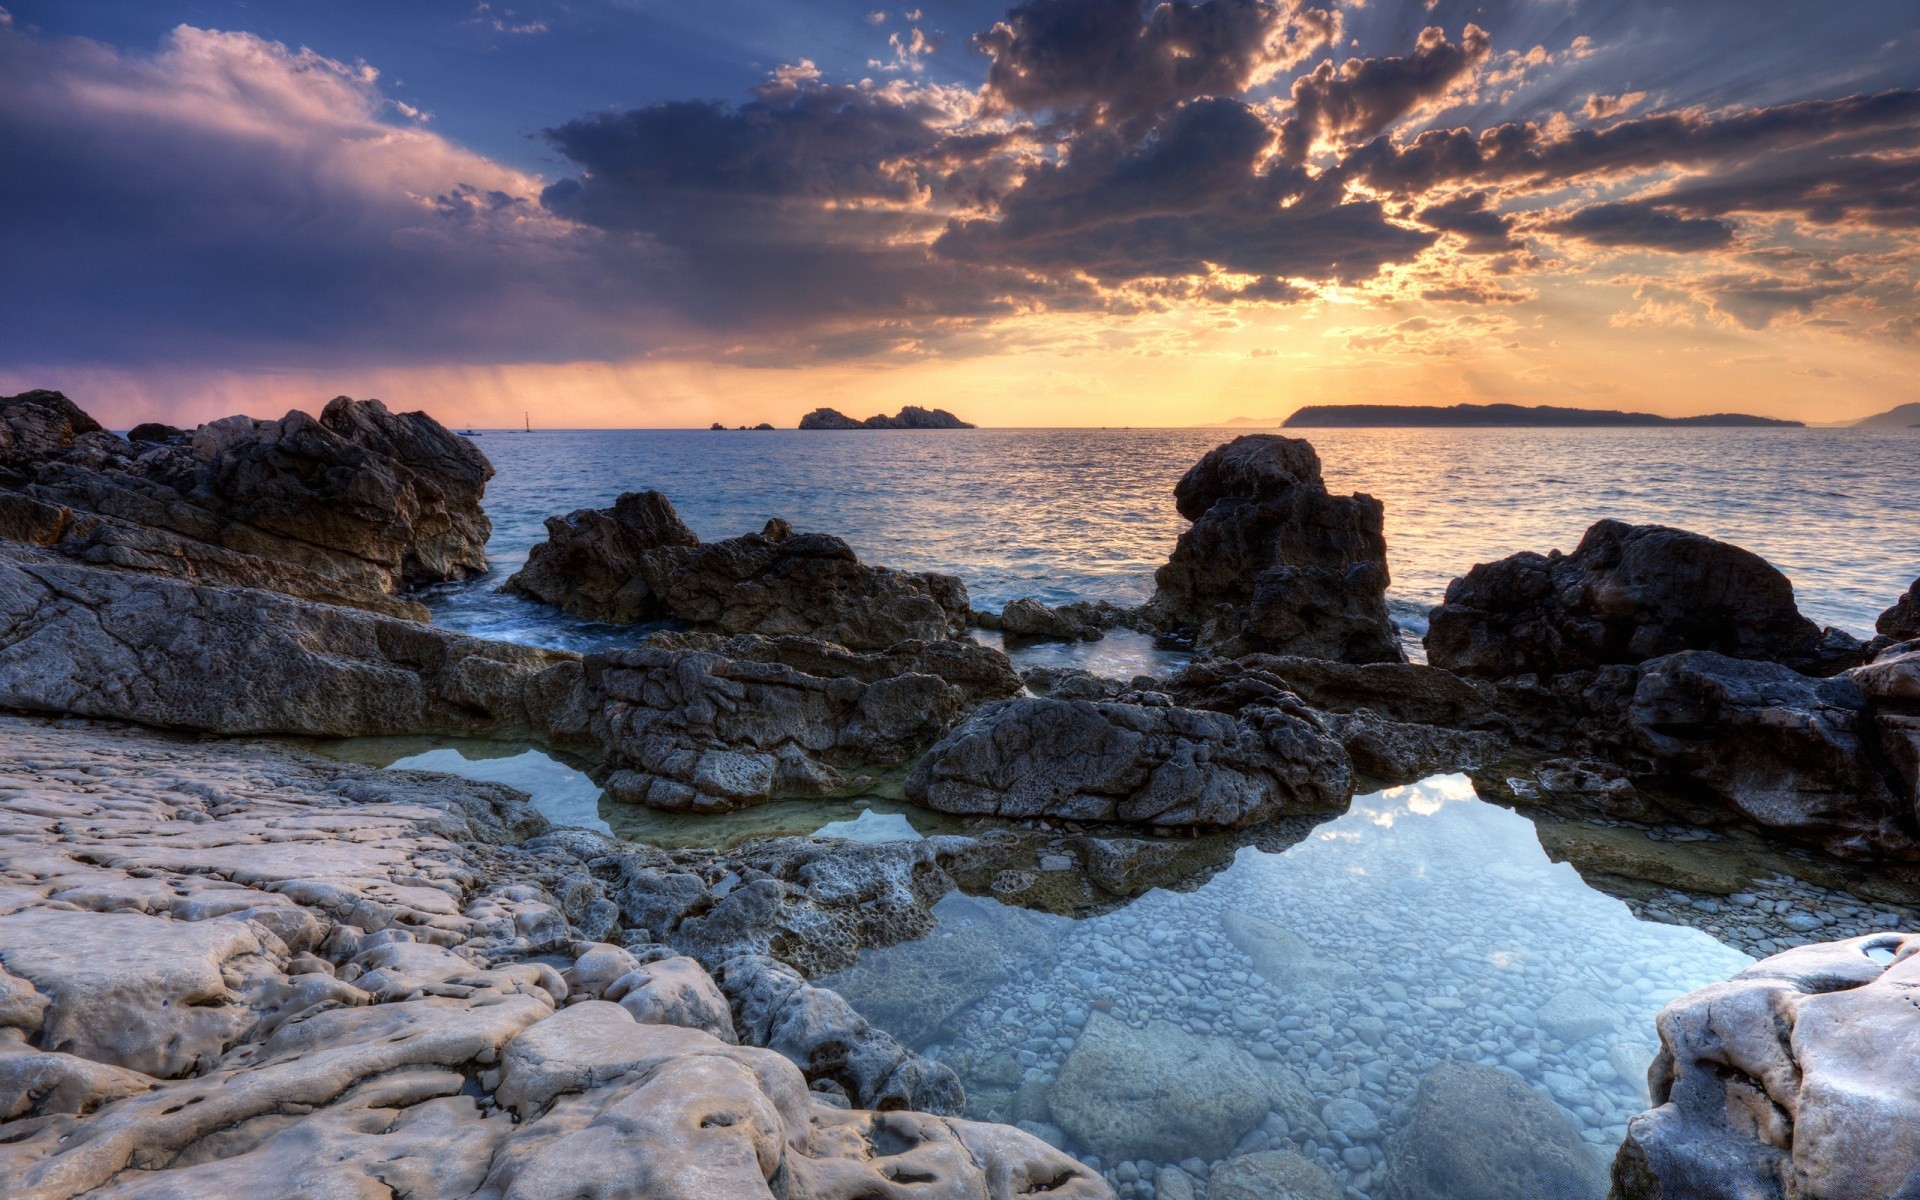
x=561, y=794
x=1295, y=1002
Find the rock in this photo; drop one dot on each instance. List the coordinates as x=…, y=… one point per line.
x=1789, y=1079
x=1616, y=857
x=1409, y=693
x=1392, y=753
x=1071, y=683
x=1271, y=1175
x=674, y=991
x=1788, y=752
x=1088, y=761
x=1281, y=957
x=348, y=508
x=910, y=417
x=1574, y=1016
x=1902, y=621
x=1030, y=619
x=1159, y=1093
x=1627, y=594
x=103, y=643
x=638, y=562
x=1171, y=1183
x=1273, y=562
x=694, y=722
x=1475, y=1132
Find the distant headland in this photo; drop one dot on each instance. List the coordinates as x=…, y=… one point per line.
x=1907, y=416
x=1501, y=415
x=910, y=417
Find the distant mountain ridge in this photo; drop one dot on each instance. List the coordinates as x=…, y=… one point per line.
x=1503, y=416
x=1906, y=416
x=910, y=417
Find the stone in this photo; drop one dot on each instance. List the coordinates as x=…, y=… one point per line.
x=1159, y=1093
x=1271, y=1175
x=1171, y=1183
x=1574, y=1016
x=688, y=721
x=1902, y=621
x=1410, y=693
x=37, y=425
x=1475, y=1132
x=638, y=562
x=1788, y=1079
x=1282, y=957
x=674, y=991
x=1627, y=594
x=1273, y=562
x=1030, y=619
x=1110, y=761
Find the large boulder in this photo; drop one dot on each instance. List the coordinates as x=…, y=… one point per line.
x=93, y=642
x=639, y=562
x=1791, y=753
x=350, y=507
x=1902, y=621
x=1273, y=562
x=689, y=721
x=1628, y=593
x=1792, y=1079
x=1271, y=1175
x=1160, y=765
x=1474, y=1132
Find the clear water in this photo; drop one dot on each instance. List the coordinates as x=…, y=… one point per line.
x=1088, y=514
x=1435, y=927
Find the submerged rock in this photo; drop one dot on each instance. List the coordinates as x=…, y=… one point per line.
x=1271, y=1175
x=1110, y=761
x=346, y=508
x=1902, y=621
x=1794, y=1078
x=638, y=562
x=1282, y=957
x=1628, y=593
x=1475, y=1132
x=694, y=722
x=1273, y=562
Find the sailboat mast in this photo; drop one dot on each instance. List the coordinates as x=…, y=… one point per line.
x=529, y=417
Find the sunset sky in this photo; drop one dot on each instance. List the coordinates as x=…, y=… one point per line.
x=1071, y=212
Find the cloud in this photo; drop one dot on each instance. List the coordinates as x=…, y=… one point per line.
x=1363, y=96
x=1471, y=215
x=1641, y=224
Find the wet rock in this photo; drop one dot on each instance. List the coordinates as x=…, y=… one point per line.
x=1475, y=1132
x=103, y=643
x=1281, y=957
x=1271, y=1175
x=1627, y=594
x=1028, y=618
x=1789, y=1079
x=1902, y=621
x=1575, y=1015
x=1787, y=751
x=1159, y=1093
x=1408, y=693
x=1616, y=857
x=694, y=722
x=1082, y=760
x=638, y=562
x=1273, y=562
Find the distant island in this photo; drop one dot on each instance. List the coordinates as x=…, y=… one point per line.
x=1502, y=415
x=910, y=417
x=1907, y=416
x=761, y=425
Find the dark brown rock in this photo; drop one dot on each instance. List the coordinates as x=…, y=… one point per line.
x=1627, y=594
x=1273, y=562
x=1902, y=621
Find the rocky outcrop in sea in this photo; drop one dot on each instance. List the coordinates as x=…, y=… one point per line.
x=910, y=417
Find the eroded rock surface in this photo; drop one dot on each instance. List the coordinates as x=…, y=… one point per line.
x=1275, y=563
x=1628, y=593
x=694, y=722
x=347, y=508
x=637, y=562
x=1792, y=1079
x=1902, y=621
x=235, y=971
x=1153, y=764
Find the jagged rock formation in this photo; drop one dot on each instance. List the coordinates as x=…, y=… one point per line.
x=1791, y=1079
x=689, y=721
x=910, y=417
x=1150, y=763
x=1902, y=621
x=349, y=508
x=235, y=971
x=637, y=561
x=1628, y=593
x=1273, y=562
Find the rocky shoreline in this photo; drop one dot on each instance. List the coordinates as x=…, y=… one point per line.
x=351, y=979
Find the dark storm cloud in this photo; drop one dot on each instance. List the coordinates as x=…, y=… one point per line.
x=1362, y=96
x=1639, y=223
x=1124, y=58
x=1471, y=215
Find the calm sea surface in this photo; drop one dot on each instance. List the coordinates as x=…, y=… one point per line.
x=1065, y=514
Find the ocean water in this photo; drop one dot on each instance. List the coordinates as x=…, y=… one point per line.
x=1072, y=514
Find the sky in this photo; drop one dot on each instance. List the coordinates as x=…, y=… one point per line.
x=632, y=213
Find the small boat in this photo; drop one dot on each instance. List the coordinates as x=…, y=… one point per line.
x=471, y=433
x=529, y=428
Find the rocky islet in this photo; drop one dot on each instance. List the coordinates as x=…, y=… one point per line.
x=249, y=577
